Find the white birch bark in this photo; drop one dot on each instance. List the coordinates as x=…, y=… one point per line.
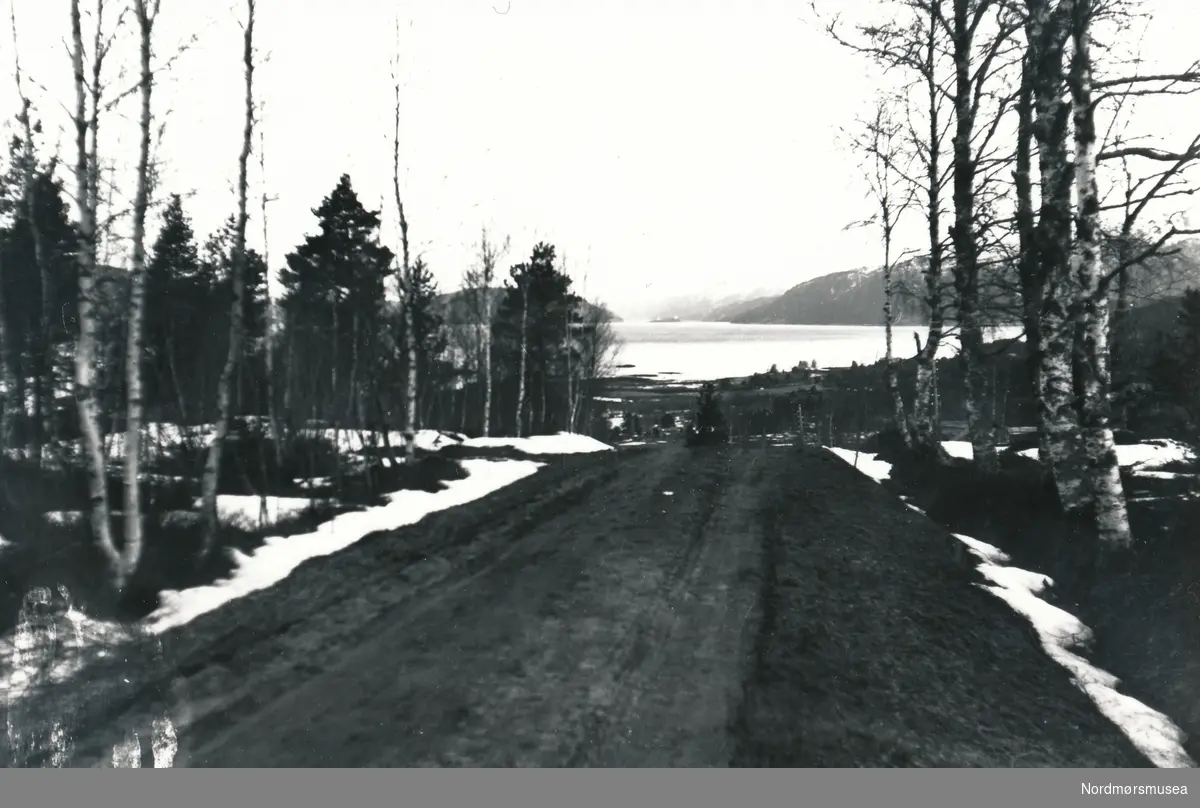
x=1108, y=495
x=212, y=464
x=86, y=346
x=131, y=550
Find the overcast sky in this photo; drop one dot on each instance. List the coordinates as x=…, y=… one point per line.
x=664, y=146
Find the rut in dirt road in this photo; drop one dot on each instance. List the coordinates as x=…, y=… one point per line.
x=596, y=641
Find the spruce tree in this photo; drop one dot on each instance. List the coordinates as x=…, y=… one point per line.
x=177, y=306
x=333, y=298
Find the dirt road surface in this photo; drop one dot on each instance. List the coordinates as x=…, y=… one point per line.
x=665, y=607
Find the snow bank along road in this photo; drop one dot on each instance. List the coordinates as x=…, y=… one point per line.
x=657, y=607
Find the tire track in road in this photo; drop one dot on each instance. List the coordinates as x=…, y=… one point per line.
x=419, y=690
x=594, y=621
x=644, y=724
x=572, y=707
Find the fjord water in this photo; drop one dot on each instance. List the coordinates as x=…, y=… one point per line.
x=699, y=351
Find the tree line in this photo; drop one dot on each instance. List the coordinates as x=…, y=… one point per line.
x=1010, y=127
x=102, y=336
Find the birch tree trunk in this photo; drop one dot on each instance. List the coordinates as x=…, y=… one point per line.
x=487, y=368
x=1033, y=284
x=406, y=279
x=882, y=148
x=131, y=550
x=889, y=363
x=410, y=389
x=924, y=431
x=980, y=421
x=1108, y=496
x=212, y=465
x=1048, y=33
x=570, y=378
x=524, y=355
x=272, y=411
x=86, y=346
x=289, y=376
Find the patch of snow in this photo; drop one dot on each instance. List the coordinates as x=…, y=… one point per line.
x=278, y=556
x=164, y=478
x=609, y=400
x=1015, y=578
x=246, y=510
x=875, y=469
x=1148, y=456
x=353, y=441
x=668, y=493
x=1154, y=454
x=24, y=655
x=1163, y=475
x=983, y=550
x=562, y=443
x=959, y=448
x=632, y=443
x=431, y=440
x=912, y=507
x=63, y=517
x=1153, y=733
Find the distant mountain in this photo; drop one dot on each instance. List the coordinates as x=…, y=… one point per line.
x=853, y=297
x=455, y=307
x=710, y=307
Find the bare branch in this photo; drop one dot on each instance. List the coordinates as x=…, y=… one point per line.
x=1191, y=75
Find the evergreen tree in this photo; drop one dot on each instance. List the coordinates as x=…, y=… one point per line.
x=217, y=268
x=178, y=305
x=333, y=297
x=31, y=352
x=546, y=290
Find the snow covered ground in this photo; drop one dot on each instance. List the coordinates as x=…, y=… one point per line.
x=877, y=470
x=1139, y=458
x=1143, y=459
x=251, y=512
x=560, y=444
x=23, y=652
x=279, y=556
x=240, y=510
x=1153, y=733
x=1060, y=632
